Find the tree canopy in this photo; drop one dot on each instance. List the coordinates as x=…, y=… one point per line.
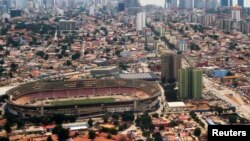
x=197, y=132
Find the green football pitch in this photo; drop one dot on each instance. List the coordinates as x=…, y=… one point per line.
x=82, y=101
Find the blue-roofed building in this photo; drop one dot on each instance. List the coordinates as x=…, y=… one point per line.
x=219, y=73
x=210, y=122
x=182, y=45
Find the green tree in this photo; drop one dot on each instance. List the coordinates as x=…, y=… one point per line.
x=59, y=56
x=229, y=73
x=49, y=138
x=161, y=127
x=75, y=56
x=243, y=120
x=123, y=127
x=181, y=31
x=4, y=139
x=90, y=122
x=193, y=114
x=46, y=57
x=63, y=134
x=40, y=53
x=1, y=61
x=46, y=121
x=7, y=127
x=115, y=122
x=123, y=66
x=145, y=133
x=197, y=132
x=105, y=119
x=1, y=70
x=170, y=92
x=103, y=129
x=155, y=115
x=115, y=116
x=194, y=47
x=56, y=129
x=219, y=110
x=156, y=38
x=13, y=67
x=92, y=134
x=113, y=131
x=58, y=118
x=232, y=119
x=145, y=122
x=174, y=123
x=179, y=52
x=71, y=118
x=128, y=116
x=163, y=80
x=232, y=45
x=109, y=136
x=117, y=53
x=171, y=80
x=158, y=136
x=68, y=63
x=20, y=123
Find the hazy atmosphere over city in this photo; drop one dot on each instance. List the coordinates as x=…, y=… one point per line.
x=124, y=70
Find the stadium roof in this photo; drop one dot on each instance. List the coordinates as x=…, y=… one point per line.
x=143, y=76
x=175, y=104
x=79, y=127
x=105, y=68
x=4, y=89
x=210, y=122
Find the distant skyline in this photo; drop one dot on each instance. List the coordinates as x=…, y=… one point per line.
x=161, y=2
x=155, y=2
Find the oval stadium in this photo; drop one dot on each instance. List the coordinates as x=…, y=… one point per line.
x=83, y=97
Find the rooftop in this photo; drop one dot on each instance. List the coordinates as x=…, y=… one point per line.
x=137, y=76
x=176, y=104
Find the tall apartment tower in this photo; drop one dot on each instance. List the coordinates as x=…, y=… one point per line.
x=241, y=3
x=226, y=3
x=167, y=4
x=190, y=83
x=131, y=3
x=199, y=4
x=236, y=12
x=140, y=21
x=19, y=4
x=170, y=64
x=189, y=4
x=67, y=25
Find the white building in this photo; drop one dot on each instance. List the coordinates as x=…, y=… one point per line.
x=182, y=45
x=140, y=21
x=189, y=4
x=92, y=10
x=19, y=4
x=236, y=13
x=176, y=107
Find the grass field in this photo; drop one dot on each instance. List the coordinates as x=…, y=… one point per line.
x=82, y=101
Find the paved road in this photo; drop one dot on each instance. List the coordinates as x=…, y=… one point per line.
x=162, y=100
x=241, y=107
x=132, y=127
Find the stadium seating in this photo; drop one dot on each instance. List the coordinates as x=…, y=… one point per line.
x=32, y=91
x=60, y=94
x=46, y=94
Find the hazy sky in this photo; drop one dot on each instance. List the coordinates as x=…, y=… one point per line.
x=156, y=2
x=161, y=2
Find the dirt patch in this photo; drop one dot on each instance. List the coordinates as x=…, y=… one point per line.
x=233, y=98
